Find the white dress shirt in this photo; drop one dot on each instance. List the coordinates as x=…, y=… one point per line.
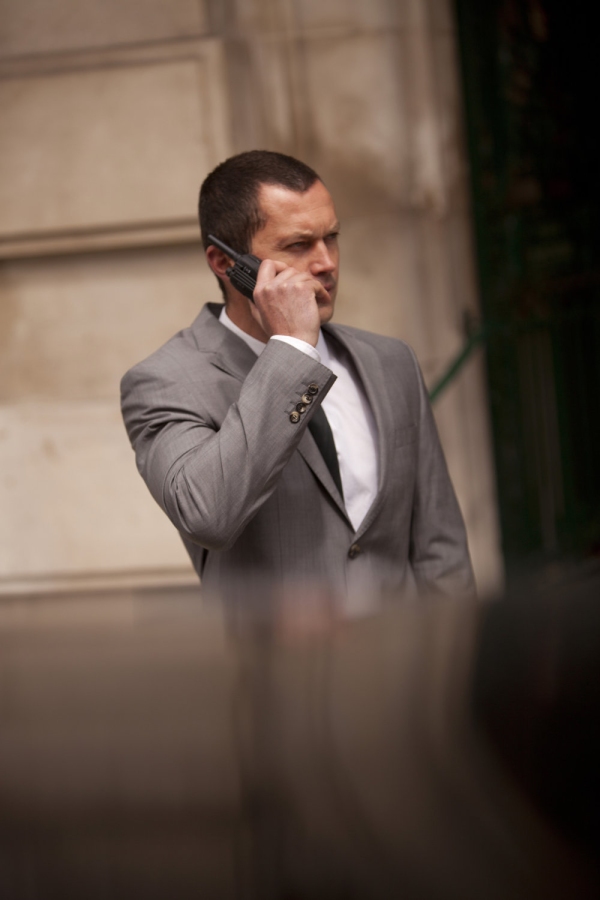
x=349, y=415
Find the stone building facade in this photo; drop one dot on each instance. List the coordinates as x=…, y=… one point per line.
x=112, y=114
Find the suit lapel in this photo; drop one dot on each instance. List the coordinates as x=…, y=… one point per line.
x=308, y=450
x=228, y=352
x=372, y=374
x=232, y=355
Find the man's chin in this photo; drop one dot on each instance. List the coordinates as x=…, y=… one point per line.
x=326, y=307
x=326, y=312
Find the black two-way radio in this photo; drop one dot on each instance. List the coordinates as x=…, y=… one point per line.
x=244, y=270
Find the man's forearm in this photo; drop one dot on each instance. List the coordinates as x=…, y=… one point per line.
x=212, y=480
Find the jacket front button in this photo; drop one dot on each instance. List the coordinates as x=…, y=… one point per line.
x=354, y=551
x=294, y=417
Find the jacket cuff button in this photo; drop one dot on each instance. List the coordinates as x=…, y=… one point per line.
x=294, y=417
x=313, y=388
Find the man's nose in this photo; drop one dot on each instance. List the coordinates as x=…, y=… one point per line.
x=322, y=261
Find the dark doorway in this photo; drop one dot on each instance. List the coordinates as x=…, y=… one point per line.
x=530, y=90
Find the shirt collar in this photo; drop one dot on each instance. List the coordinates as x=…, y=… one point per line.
x=323, y=350
x=255, y=345
x=258, y=346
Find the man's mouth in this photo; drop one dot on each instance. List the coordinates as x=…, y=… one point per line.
x=329, y=286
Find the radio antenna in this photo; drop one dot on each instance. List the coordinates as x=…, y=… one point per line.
x=224, y=247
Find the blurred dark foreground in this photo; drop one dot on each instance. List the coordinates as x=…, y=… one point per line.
x=155, y=746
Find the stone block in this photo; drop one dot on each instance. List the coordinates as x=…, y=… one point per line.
x=378, y=279
x=70, y=327
x=450, y=115
x=111, y=148
x=397, y=278
x=462, y=416
x=36, y=26
x=357, y=15
x=359, y=125
x=440, y=14
x=70, y=499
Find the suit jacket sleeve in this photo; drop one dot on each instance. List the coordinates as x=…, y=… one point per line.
x=211, y=476
x=439, y=552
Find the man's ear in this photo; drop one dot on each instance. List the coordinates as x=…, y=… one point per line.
x=218, y=261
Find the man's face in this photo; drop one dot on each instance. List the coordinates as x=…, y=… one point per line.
x=301, y=230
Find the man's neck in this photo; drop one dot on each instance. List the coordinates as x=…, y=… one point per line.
x=238, y=310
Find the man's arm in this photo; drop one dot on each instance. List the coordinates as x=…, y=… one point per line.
x=211, y=478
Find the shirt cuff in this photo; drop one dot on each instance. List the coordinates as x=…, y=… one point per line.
x=303, y=346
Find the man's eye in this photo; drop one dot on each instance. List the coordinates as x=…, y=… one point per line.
x=332, y=238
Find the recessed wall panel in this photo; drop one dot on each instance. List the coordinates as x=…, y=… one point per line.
x=107, y=148
x=71, y=499
x=71, y=326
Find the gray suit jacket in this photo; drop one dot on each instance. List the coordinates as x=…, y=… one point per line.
x=248, y=489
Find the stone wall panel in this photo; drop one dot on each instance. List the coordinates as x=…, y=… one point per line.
x=71, y=326
x=358, y=129
x=39, y=26
x=105, y=148
x=71, y=500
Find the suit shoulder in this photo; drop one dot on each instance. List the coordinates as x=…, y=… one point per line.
x=183, y=354
x=167, y=363
x=383, y=344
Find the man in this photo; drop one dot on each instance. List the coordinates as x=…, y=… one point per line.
x=227, y=423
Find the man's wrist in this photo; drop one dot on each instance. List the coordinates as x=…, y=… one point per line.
x=299, y=344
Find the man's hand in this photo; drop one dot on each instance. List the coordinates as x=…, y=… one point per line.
x=285, y=301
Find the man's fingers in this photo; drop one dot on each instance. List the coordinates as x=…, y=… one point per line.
x=268, y=270
x=320, y=291
x=285, y=274
x=273, y=275
x=285, y=301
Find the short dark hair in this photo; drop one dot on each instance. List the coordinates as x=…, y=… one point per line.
x=228, y=206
